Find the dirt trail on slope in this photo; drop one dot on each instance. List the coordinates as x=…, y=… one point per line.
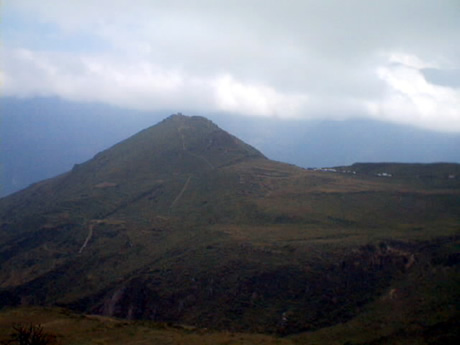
x=182, y=137
x=181, y=192
x=184, y=148
x=202, y=158
x=88, y=238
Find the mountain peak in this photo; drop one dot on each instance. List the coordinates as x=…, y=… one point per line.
x=180, y=119
x=183, y=117
x=178, y=145
x=185, y=138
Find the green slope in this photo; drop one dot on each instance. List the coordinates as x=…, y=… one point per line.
x=185, y=223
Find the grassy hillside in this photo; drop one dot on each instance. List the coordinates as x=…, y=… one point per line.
x=74, y=329
x=184, y=223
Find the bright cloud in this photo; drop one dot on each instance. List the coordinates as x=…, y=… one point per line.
x=410, y=99
x=290, y=59
x=234, y=96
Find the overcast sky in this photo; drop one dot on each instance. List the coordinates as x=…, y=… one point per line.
x=392, y=60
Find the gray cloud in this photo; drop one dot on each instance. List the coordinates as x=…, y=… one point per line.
x=449, y=78
x=298, y=59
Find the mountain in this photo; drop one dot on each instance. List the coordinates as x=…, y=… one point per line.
x=185, y=223
x=45, y=136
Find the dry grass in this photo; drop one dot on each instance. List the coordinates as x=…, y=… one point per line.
x=74, y=329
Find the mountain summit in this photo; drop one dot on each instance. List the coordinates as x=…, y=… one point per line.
x=163, y=160
x=183, y=222
x=177, y=145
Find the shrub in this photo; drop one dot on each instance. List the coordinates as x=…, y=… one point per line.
x=29, y=335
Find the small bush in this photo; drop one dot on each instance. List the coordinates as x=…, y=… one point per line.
x=29, y=335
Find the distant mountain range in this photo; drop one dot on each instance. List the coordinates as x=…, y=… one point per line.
x=43, y=137
x=185, y=223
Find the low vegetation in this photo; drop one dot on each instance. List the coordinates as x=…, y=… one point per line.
x=184, y=224
x=29, y=335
